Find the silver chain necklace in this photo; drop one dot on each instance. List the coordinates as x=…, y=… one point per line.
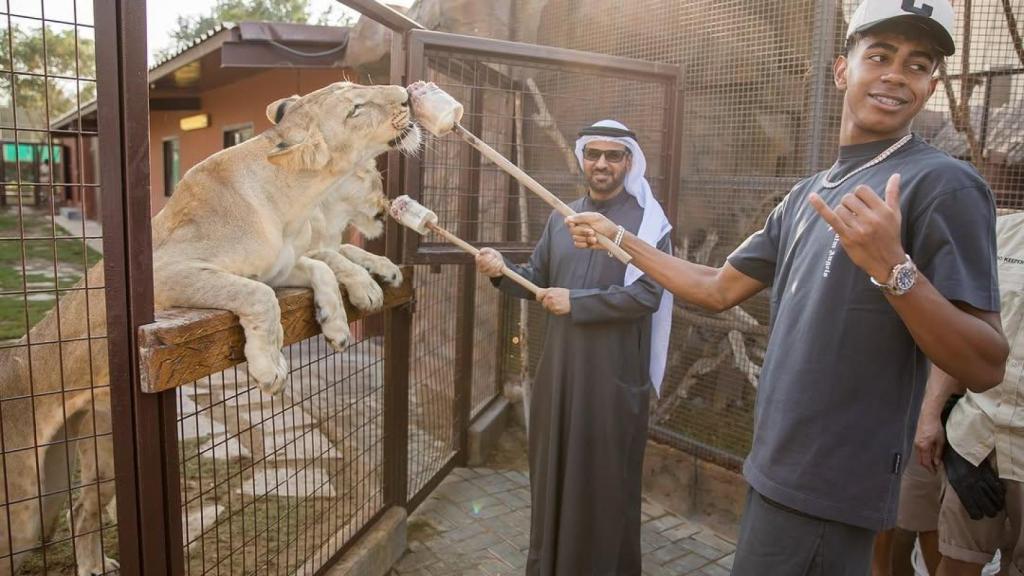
x=877, y=159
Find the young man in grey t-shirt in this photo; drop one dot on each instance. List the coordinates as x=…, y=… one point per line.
x=878, y=265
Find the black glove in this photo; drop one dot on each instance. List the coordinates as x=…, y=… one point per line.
x=979, y=488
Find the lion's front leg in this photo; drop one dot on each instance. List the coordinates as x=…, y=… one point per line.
x=96, y=456
x=363, y=291
x=377, y=265
x=253, y=302
x=330, y=312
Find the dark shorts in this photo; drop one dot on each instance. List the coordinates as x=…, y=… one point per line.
x=780, y=541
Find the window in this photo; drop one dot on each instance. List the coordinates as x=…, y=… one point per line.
x=237, y=135
x=172, y=165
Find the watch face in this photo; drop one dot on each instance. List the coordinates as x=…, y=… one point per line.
x=904, y=279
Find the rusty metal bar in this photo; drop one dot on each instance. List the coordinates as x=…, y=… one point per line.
x=145, y=443
x=397, y=351
x=390, y=18
x=412, y=166
x=570, y=60
x=821, y=81
x=397, y=329
x=673, y=149
x=469, y=214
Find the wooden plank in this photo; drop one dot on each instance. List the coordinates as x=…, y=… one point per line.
x=185, y=344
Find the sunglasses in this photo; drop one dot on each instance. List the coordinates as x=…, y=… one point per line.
x=613, y=156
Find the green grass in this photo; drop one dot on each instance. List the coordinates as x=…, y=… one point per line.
x=40, y=262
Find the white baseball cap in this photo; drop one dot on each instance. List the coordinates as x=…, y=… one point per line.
x=936, y=16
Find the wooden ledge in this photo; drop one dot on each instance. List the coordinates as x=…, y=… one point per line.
x=185, y=344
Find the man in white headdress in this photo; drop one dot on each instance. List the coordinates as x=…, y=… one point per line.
x=606, y=342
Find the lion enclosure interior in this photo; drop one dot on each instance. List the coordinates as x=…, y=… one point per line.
x=138, y=438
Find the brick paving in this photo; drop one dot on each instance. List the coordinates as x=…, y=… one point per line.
x=478, y=522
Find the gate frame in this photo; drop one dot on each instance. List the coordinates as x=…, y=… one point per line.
x=146, y=480
x=410, y=41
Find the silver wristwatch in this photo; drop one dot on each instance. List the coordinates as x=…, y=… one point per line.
x=901, y=279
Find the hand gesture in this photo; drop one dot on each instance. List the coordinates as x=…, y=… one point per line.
x=489, y=262
x=555, y=300
x=585, y=227
x=868, y=227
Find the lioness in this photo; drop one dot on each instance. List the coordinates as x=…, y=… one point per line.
x=357, y=200
x=236, y=220
x=235, y=226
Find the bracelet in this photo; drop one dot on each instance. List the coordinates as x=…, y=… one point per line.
x=619, y=233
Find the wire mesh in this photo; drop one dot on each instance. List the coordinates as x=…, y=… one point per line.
x=487, y=341
x=433, y=426
x=280, y=484
x=57, y=482
x=527, y=112
x=759, y=111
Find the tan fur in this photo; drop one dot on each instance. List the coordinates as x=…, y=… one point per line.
x=237, y=224
x=357, y=200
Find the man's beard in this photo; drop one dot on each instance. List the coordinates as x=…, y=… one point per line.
x=610, y=185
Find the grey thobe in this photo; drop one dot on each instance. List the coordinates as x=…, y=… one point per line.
x=589, y=404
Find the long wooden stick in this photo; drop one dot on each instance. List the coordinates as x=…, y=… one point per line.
x=535, y=187
x=467, y=247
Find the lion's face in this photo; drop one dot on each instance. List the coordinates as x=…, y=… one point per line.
x=342, y=119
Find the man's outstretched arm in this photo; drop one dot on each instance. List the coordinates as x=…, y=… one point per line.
x=713, y=289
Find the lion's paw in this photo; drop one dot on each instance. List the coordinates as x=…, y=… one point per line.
x=364, y=292
x=387, y=272
x=270, y=372
x=336, y=332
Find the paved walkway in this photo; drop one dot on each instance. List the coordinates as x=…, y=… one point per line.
x=478, y=522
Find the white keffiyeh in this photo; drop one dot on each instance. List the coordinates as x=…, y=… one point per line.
x=653, y=228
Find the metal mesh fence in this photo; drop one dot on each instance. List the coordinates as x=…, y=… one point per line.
x=759, y=111
x=487, y=338
x=528, y=110
x=279, y=484
x=433, y=426
x=528, y=113
x=55, y=423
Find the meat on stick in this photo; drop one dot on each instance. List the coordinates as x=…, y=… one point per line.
x=415, y=216
x=439, y=113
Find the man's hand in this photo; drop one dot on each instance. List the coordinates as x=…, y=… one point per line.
x=585, y=227
x=489, y=262
x=868, y=227
x=555, y=300
x=929, y=441
x=978, y=487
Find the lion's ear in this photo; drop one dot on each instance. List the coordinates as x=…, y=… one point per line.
x=277, y=108
x=310, y=153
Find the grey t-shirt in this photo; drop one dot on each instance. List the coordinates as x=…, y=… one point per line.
x=842, y=380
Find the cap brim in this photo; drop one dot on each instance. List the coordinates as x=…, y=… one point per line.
x=943, y=41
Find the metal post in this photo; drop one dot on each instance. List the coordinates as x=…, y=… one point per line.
x=469, y=213
x=397, y=333
x=145, y=443
x=986, y=113
x=821, y=78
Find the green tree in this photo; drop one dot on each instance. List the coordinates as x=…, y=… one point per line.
x=69, y=60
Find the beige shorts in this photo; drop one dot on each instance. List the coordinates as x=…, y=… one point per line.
x=976, y=541
x=920, y=497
